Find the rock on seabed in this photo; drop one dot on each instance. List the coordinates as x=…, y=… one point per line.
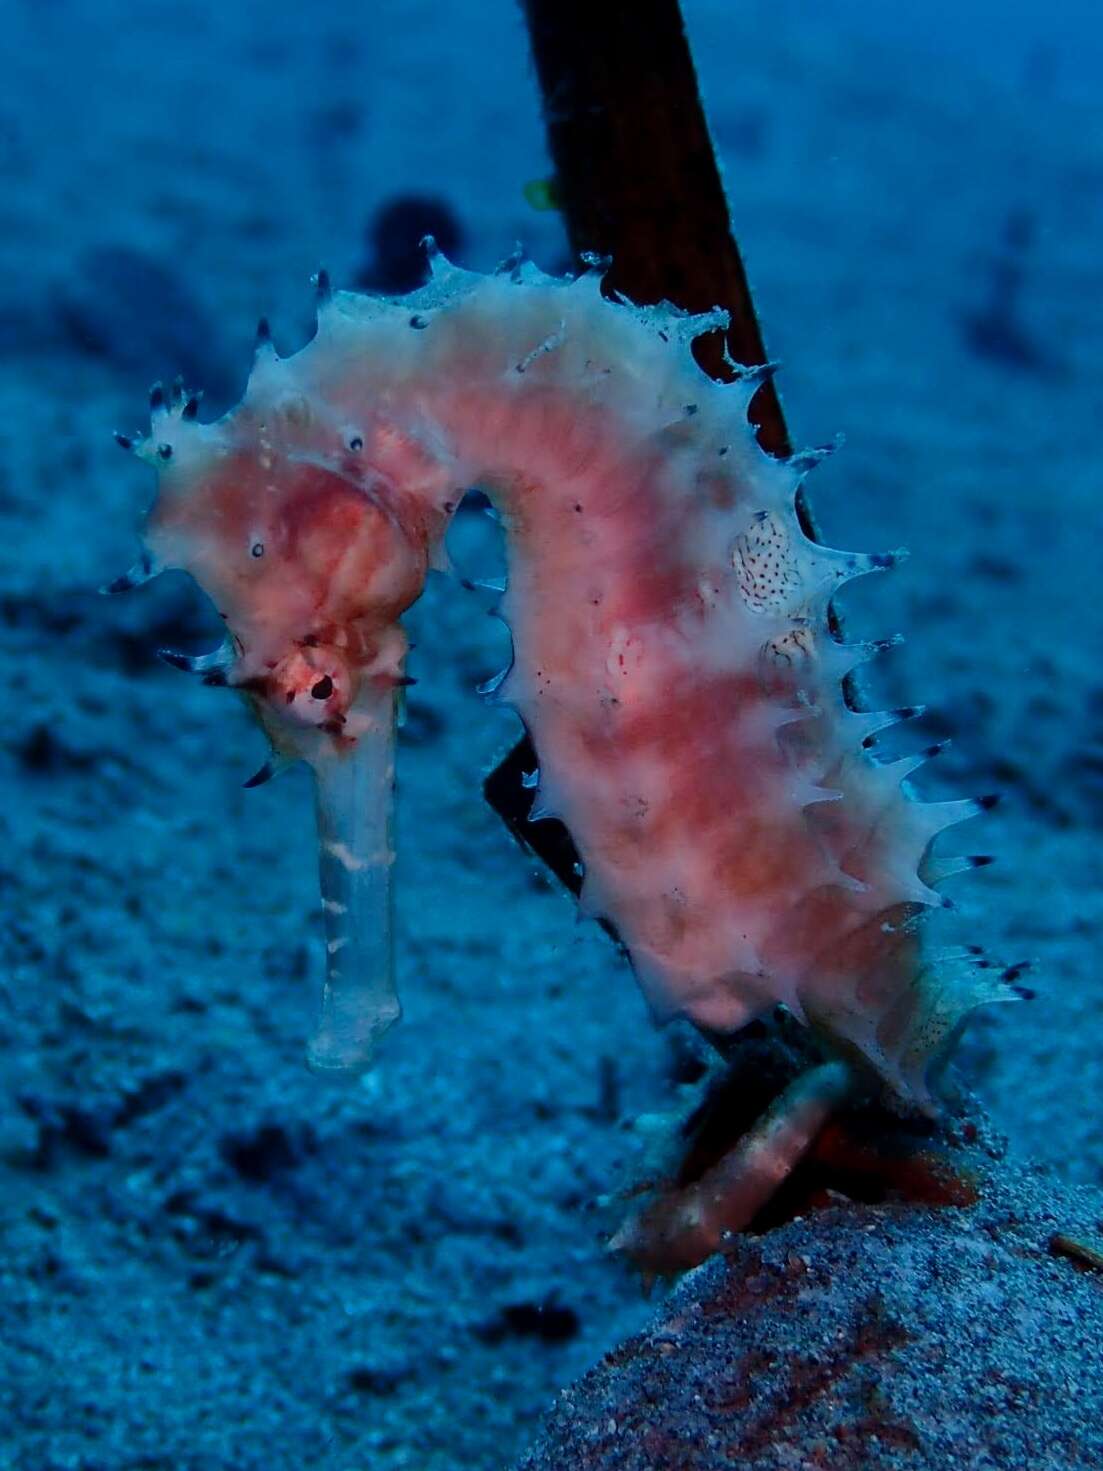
x=860, y=1338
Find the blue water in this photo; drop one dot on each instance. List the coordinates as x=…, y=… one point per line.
x=208, y=1258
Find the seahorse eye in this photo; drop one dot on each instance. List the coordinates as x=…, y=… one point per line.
x=323, y=689
x=257, y=549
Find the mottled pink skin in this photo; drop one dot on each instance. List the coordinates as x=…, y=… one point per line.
x=672, y=661
x=309, y=573
x=670, y=774
x=638, y=742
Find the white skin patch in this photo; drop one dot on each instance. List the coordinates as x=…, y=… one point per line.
x=765, y=565
x=346, y=857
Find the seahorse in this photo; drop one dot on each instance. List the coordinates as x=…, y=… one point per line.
x=672, y=655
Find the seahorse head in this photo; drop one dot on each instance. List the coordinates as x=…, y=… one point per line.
x=308, y=548
x=308, y=528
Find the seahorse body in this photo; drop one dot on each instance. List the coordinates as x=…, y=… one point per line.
x=672, y=659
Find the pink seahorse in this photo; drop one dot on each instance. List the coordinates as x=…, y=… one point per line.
x=672, y=659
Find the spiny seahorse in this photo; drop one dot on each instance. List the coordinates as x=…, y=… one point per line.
x=672, y=661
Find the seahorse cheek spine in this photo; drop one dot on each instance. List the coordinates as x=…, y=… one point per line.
x=671, y=653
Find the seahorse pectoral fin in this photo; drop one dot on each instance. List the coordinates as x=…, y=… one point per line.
x=354, y=795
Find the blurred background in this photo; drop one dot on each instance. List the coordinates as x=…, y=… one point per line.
x=208, y=1258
